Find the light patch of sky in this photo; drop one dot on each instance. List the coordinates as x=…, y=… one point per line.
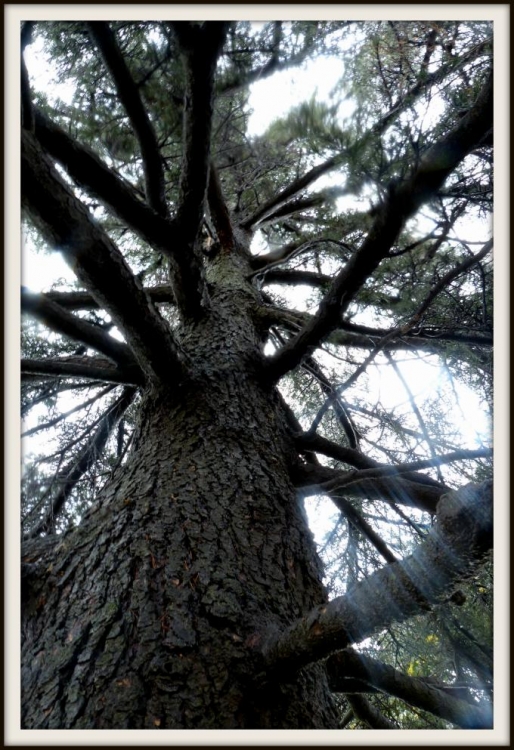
x=42, y=74
x=42, y=271
x=272, y=98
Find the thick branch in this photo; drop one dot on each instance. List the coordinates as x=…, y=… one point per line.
x=353, y=457
x=438, y=699
x=312, y=480
x=129, y=96
x=200, y=47
x=294, y=277
x=461, y=537
x=88, y=368
x=364, y=337
x=364, y=711
x=66, y=224
x=27, y=110
x=403, y=201
x=90, y=173
x=84, y=301
x=60, y=320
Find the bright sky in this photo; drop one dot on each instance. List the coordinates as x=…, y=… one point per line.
x=273, y=97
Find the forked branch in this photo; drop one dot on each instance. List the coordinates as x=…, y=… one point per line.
x=66, y=224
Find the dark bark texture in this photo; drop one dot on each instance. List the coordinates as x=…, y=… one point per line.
x=145, y=618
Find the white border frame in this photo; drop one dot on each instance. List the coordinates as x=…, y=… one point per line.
x=499, y=736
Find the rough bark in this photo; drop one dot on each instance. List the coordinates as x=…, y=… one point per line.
x=143, y=617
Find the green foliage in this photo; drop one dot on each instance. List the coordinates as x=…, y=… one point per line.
x=312, y=123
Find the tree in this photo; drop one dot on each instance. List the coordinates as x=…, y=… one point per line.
x=169, y=576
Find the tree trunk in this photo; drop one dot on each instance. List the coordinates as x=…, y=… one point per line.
x=195, y=551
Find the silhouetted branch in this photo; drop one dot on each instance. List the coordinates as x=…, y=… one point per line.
x=219, y=210
x=68, y=478
x=293, y=189
x=360, y=523
x=60, y=320
x=200, y=47
x=129, y=96
x=27, y=110
x=94, y=176
x=52, y=422
x=84, y=301
x=437, y=698
x=348, y=478
x=402, y=202
x=66, y=224
x=89, y=368
x=366, y=712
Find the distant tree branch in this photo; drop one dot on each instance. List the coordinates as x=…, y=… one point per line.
x=402, y=202
x=90, y=368
x=426, y=81
x=61, y=321
x=437, y=698
x=68, y=478
x=337, y=403
x=444, y=282
x=66, y=224
x=359, y=522
x=349, y=478
x=421, y=422
x=129, y=96
x=274, y=65
x=457, y=544
x=64, y=415
x=293, y=189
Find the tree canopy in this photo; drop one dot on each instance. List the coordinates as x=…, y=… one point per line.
x=358, y=285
